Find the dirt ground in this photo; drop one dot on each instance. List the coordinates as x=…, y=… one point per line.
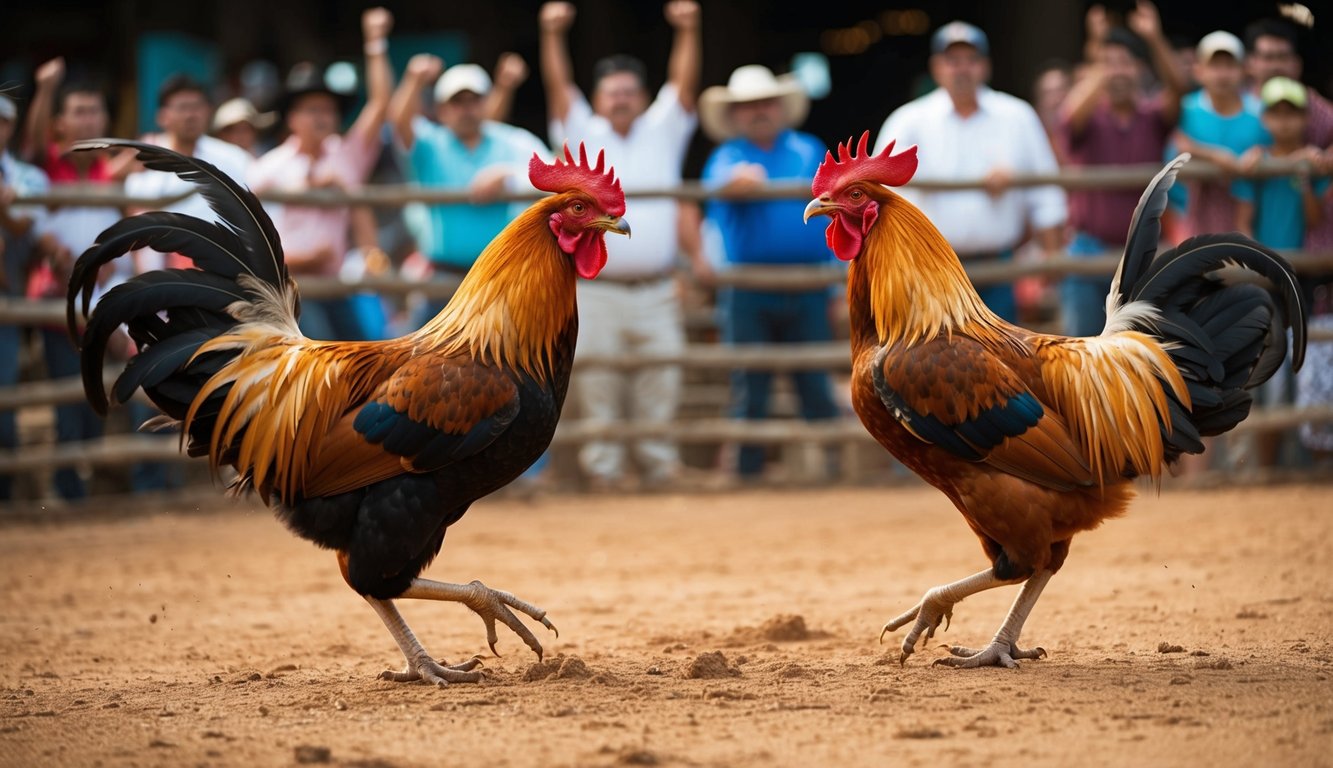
x=1196, y=631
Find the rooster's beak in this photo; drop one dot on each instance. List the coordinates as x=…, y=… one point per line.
x=820, y=206
x=616, y=225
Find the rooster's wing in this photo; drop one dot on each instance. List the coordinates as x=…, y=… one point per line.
x=956, y=394
x=430, y=413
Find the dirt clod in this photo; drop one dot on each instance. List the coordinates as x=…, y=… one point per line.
x=710, y=666
x=1165, y=647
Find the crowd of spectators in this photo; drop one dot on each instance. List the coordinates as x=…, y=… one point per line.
x=1137, y=97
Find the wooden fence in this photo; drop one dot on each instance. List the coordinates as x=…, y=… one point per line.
x=119, y=450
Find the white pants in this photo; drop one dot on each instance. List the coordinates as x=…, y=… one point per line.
x=616, y=320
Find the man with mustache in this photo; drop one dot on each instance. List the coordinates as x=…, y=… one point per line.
x=968, y=131
x=753, y=117
x=633, y=306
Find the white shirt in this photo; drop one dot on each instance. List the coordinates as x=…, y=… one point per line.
x=1005, y=133
x=649, y=157
x=229, y=158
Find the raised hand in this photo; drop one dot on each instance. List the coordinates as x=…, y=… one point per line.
x=556, y=17
x=376, y=23
x=425, y=67
x=510, y=71
x=51, y=73
x=1145, y=21
x=682, y=14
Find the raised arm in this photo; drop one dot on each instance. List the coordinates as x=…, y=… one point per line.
x=376, y=23
x=510, y=72
x=557, y=71
x=1082, y=99
x=686, y=51
x=38, y=133
x=1147, y=24
x=422, y=70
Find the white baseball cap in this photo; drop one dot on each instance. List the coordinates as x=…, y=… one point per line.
x=459, y=78
x=8, y=110
x=1217, y=42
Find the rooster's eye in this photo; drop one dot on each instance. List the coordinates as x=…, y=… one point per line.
x=577, y=208
x=856, y=194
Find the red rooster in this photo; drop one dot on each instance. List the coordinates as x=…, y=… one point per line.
x=371, y=449
x=1034, y=437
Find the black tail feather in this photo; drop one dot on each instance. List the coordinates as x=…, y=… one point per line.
x=170, y=313
x=1225, y=303
x=1145, y=229
x=237, y=206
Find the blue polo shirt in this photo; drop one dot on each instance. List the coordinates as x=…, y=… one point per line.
x=457, y=234
x=768, y=231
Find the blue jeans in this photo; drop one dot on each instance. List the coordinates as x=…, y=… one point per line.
x=758, y=317
x=1083, y=299
x=9, y=376
x=74, y=421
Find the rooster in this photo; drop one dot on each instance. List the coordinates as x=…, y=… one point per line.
x=371, y=449
x=1035, y=437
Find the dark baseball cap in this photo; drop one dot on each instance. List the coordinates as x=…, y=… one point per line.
x=959, y=32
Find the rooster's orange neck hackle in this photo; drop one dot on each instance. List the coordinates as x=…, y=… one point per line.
x=915, y=286
x=516, y=304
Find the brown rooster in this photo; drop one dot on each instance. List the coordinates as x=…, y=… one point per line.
x=1034, y=437
x=372, y=449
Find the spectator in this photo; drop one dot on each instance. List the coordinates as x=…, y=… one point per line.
x=633, y=306
x=464, y=151
x=967, y=131
x=316, y=157
x=1277, y=212
x=183, y=114
x=60, y=115
x=1050, y=88
x=1109, y=119
x=238, y=122
x=1219, y=123
x=754, y=117
x=18, y=226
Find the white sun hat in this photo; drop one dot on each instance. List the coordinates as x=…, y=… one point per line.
x=752, y=82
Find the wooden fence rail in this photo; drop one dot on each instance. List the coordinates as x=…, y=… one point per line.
x=397, y=195
x=122, y=450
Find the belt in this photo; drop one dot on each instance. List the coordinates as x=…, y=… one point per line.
x=636, y=281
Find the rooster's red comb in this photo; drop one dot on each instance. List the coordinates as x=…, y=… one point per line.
x=884, y=168
x=566, y=174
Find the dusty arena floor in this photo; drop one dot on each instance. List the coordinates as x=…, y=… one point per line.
x=1197, y=631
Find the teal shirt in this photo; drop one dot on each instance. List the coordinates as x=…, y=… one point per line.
x=1279, y=212
x=456, y=234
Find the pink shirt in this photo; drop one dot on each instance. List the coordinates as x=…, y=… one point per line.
x=349, y=159
x=1110, y=139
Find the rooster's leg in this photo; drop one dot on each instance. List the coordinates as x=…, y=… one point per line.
x=420, y=665
x=1003, y=651
x=937, y=606
x=490, y=604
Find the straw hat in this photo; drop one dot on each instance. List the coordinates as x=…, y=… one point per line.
x=750, y=83
x=241, y=111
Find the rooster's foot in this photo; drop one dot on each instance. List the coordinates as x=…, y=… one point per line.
x=933, y=610
x=492, y=605
x=435, y=673
x=997, y=654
